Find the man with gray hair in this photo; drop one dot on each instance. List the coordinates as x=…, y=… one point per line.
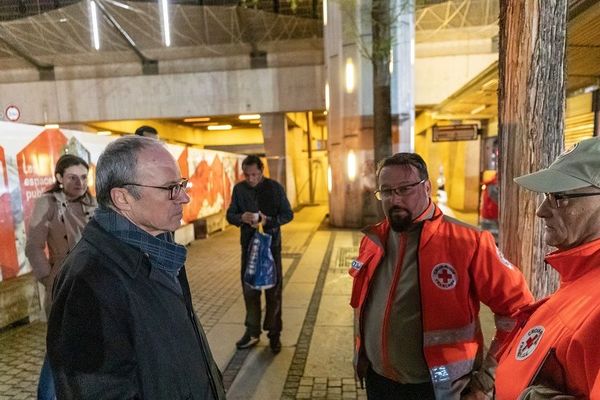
x=123, y=325
x=554, y=351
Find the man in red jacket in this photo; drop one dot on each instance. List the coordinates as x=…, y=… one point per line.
x=418, y=282
x=554, y=352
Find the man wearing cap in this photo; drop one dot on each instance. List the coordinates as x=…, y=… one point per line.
x=555, y=351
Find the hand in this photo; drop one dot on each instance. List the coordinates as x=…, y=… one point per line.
x=262, y=218
x=248, y=218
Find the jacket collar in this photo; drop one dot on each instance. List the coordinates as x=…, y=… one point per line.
x=125, y=256
x=573, y=263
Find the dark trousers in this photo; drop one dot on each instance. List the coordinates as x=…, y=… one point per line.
x=272, y=322
x=381, y=388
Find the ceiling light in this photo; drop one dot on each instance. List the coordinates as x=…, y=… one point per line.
x=196, y=119
x=255, y=121
x=164, y=15
x=325, y=12
x=219, y=127
x=104, y=133
x=51, y=126
x=326, y=96
x=489, y=84
x=94, y=23
x=478, y=109
x=246, y=117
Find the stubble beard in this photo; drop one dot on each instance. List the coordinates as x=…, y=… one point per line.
x=398, y=222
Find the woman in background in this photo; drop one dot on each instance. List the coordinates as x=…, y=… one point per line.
x=57, y=221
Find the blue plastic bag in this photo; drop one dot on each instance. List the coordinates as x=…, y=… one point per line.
x=260, y=270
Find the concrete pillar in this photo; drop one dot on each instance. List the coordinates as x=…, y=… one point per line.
x=596, y=111
x=403, y=76
x=274, y=127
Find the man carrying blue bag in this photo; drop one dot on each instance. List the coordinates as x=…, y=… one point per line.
x=260, y=201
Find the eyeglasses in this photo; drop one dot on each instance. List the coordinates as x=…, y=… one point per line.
x=174, y=189
x=555, y=198
x=382, y=194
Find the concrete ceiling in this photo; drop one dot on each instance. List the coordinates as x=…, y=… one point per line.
x=131, y=30
x=478, y=99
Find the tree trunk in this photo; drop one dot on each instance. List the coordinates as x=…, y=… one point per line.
x=531, y=108
x=382, y=107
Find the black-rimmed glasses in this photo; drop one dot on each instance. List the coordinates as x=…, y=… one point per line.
x=555, y=198
x=403, y=190
x=174, y=189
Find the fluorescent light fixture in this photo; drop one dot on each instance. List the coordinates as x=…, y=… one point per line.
x=351, y=165
x=349, y=75
x=246, y=117
x=478, y=109
x=254, y=121
x=94, y=22
x=329, y=179
x=489, y=84
x=590, y=89
x=391, y=61
x=51, y=126
x=126, y=7
x=164, y=12
x=325, y=12
x=197, y=119
x=327, y=96
x=104, y=133
x=219, y=127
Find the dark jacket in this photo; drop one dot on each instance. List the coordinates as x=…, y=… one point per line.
x=116, y=332
x=267, y=197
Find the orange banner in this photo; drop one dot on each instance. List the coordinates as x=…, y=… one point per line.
x=9, y=264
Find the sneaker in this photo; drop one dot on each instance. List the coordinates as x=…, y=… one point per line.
x=275, y=344
x=247, y=341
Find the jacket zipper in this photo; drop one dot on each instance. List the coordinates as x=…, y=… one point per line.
x=388, y=306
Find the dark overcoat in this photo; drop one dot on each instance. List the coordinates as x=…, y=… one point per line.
x=117, y=332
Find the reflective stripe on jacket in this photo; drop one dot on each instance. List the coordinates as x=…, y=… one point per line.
x=459, y=266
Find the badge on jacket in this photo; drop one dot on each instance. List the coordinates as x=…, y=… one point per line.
x=444, y=276
x=356, y=265
x=529, y=342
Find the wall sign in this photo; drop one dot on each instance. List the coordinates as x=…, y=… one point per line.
x=12, y=113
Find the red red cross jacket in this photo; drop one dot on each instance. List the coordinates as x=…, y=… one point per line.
x=452, y=338
x=556, y=344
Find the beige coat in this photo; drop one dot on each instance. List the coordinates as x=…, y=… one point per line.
x=56, y=223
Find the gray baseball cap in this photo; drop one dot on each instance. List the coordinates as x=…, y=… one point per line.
x=575, y=168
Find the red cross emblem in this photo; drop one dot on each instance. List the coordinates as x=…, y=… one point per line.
x=529, y=342
x=444, y=276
